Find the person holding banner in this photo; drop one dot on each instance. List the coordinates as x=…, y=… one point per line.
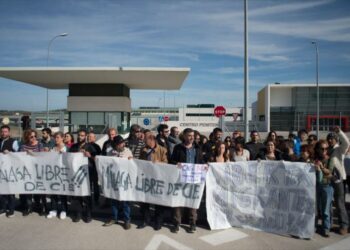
x=58, y=202
x=84, y=204
x=30, y=145
x=120, y=151
x=338, y=146
x=155, y=153
x=7, y=144
x=186, y=152
x=324, y=186
x=46, y=139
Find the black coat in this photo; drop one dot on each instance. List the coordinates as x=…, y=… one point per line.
x=262, y=155
x=179, y=154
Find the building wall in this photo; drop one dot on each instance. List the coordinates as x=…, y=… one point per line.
x=261, y=102
x=294, y=107
x=281, y=97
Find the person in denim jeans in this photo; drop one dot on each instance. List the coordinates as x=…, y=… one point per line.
x=120, y=151
x=324, y=186
x=338, y=145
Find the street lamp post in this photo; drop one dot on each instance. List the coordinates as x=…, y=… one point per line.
x=47, y=65
x=318, y=94
x=246, y=72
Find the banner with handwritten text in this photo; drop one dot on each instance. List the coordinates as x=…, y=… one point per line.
x=144, y=181
x=272, y=196
x=44, y=173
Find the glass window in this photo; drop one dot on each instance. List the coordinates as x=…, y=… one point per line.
x=79, y=118
x=96, y=118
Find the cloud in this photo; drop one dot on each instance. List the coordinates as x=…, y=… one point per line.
x=334, y=30
x=287, y=8
x=206, y=36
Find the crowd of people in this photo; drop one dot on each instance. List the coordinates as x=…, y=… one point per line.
x=189, y=146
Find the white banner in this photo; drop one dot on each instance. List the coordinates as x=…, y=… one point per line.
x=144, y=181
x=272, y=196
x=44, y=173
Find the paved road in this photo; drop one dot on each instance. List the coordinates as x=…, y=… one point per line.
x=34, y=232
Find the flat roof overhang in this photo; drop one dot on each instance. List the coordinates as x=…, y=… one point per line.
x=133, y=78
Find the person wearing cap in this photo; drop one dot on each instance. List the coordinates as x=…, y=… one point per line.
x=119, y=150
x=338, y=146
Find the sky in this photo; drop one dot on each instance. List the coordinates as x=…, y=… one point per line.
x=204, y=35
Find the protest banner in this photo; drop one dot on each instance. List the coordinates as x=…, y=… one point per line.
x=272, y=196
x=144, y=181
x=193, y=173
x=44, y=173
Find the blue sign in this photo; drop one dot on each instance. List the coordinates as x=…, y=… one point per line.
x=161, y=118
x=146, y=121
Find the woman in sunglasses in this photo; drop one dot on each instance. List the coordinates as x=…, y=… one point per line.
x=324, y=185
x=31, y=144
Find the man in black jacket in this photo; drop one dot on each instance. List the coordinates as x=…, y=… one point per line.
x=186, y=152
x=85, y=203
x=107, y=147
x=7, y=144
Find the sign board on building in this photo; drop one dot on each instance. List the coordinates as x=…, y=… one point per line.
x=146, y=121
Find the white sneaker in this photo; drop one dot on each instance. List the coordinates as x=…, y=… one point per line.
x=63, y=215
x=52, y=214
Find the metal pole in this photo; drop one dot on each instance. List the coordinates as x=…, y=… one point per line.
x=318, y=94
x=246, y=70
x=163, y=104
x=47, y=65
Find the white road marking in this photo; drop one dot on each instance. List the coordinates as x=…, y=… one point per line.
x=223, y=237
x=159, y=238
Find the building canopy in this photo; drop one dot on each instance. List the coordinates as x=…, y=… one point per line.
x=133, y=78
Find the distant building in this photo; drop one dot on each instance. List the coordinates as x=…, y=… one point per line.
x=290, y=107
x=197, y=116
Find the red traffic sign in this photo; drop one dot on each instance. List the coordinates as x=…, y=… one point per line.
x=166, y=118
x=219, y=111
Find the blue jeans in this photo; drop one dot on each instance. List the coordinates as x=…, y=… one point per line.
x=125, y=208
x=324, y=197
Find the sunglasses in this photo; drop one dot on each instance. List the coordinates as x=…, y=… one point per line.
x=32, y=136
x=324, y=149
